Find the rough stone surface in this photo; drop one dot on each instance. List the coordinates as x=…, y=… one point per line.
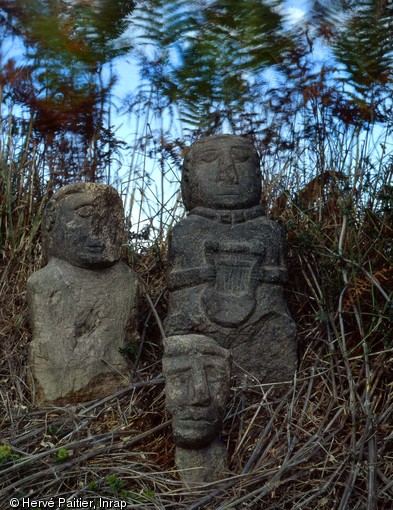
x=203, y=465
x=197, y=373
x=227, y=262
x=83, y=304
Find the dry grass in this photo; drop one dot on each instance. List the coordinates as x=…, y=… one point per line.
x=326, y=444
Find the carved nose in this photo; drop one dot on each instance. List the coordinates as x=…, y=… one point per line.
x=200, y=388
x=228, y=174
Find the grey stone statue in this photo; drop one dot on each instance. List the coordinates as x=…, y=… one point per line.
x=83, y=304
x=197, y=375
x=227, y=262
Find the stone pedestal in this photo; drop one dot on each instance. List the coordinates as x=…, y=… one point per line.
x=203, y=465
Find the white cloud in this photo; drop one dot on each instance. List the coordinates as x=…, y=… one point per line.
x=294, y=14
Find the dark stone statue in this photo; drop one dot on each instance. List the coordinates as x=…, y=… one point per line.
x=197, y=374
x=227, y=262
x=83, y=304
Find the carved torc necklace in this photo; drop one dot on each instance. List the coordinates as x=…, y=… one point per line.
x=229, y=216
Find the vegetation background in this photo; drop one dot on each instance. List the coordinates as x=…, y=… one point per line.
x=315, y=97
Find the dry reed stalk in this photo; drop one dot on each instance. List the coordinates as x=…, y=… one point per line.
x=325, y=443
x=299, y=448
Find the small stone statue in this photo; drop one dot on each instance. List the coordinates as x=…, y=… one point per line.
x=197, y=373
x=83, y=304
x=227, y=262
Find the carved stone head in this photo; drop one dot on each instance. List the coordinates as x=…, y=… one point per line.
x=221, y=172
x=197, y=373
x=83, y=224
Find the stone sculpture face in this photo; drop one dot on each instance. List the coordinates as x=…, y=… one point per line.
x=221, y=172
x=83, y=224
x=197, y=373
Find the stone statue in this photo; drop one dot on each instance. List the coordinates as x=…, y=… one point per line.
x=83, y=304
x=197, y=376
x=226, y=262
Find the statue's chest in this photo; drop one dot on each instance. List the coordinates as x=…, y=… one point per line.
x=91, y=305
x=236, y=258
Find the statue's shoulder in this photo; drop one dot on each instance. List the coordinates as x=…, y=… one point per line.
x=48, y=279
x=266, y=223
x=190, y=221
x=122, y=270
x=186, y=236
x=188, y=227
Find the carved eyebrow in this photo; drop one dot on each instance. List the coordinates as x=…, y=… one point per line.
x=244, y=148
x=185, y=366
x=216, y=372
x=212, y=354
x=186, y=356
x=218, y=368
x=178, y=370
x=83, y=206
x=85, y=203
x=213, y=150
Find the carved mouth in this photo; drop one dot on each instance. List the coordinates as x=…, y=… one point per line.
x=95, y=247
x=192, y=423
x=229, y=192
x=195, y=417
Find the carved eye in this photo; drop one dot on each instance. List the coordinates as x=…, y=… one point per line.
x=240, y=155
x=85, y=211
x=216, y=380
x=209, y=157
x=215, y=374
x=179, y=378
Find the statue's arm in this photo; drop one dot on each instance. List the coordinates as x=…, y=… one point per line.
x=190, y=277
x=187, y=264
x=39, y=312
x=45, y=302
x=272, y=268
x=273, y=274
